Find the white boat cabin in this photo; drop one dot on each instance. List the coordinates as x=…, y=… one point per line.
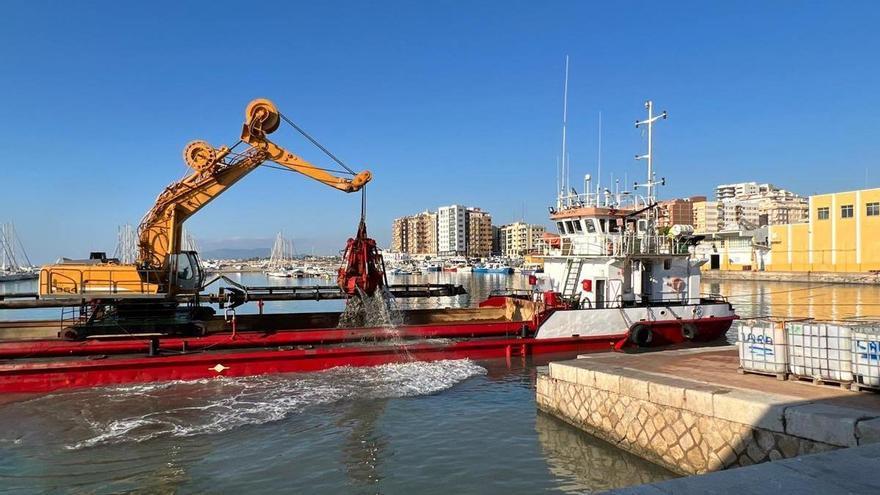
x=611, y=256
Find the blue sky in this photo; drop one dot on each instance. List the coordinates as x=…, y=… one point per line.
x=445, y=102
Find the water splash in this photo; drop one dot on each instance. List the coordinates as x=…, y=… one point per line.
x=377, y=310
x=190, y=408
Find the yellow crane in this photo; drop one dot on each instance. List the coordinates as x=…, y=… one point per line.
x=162, y=270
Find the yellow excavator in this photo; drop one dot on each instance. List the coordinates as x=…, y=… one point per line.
x=163, y=271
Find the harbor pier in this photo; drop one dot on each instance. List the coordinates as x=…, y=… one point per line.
x=691, y=412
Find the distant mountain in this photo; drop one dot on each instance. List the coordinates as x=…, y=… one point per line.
x=235, y=253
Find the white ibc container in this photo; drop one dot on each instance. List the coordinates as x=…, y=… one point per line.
x=762, y=347
x=866, y=355
x=820, y=350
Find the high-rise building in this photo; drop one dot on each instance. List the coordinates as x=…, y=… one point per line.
x=520, y=238
x=415, y=234
x=749, y=205
x=479, y=233
x=400, y=235
x=463, y=231
x=452, y=230
x=707, y=216
x=497, y=241
x=677, y=211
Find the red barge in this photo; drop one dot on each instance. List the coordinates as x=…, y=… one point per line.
x=285, y=343
x=611, y=280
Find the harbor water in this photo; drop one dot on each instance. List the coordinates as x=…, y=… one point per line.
x=443, y=427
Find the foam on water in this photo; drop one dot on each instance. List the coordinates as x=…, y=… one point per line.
x=213, y=406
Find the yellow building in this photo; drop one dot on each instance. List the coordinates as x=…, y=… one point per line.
x=843, y=235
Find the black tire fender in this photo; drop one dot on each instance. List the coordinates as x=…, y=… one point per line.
x=641, y=335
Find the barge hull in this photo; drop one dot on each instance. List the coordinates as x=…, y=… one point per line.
x=50, y=376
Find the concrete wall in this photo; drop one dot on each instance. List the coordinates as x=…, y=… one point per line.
x=691, y=427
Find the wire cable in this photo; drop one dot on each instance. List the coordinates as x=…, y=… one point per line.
x=316, y=143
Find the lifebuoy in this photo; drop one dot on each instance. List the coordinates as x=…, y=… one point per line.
x=677, y=284
x=688, y=331
x=641, y=335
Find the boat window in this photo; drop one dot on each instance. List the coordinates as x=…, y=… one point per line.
x=577, y=226
x=589, y=225
x=602, y=225
x=569, y=227
x=560, y=227
x=614, y=226
x=667, y=264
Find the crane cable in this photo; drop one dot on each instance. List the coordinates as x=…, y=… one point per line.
x=316, y=143
x=332, y=157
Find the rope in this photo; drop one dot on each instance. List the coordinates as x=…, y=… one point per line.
x=364, y=204
x=285, y=169
x=316, y=143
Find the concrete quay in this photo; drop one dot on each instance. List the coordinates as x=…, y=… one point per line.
x=691, y=412
x=840, y=472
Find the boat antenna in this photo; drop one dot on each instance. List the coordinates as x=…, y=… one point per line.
x=558, y=174
x=649, y=156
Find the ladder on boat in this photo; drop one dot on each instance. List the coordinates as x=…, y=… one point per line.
x=572, y=272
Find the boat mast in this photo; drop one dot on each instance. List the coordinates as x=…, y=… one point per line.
x=599, y=174
x=651, y=198
x=562, y=185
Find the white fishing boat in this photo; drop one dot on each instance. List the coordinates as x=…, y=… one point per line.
x=611, y=271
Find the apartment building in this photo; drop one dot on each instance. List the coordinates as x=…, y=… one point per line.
x=415, y=234
x=519, y=238
x=452, y=230
x=677, y=211
x=749, y=205
x=707, y=216
x=479, y=233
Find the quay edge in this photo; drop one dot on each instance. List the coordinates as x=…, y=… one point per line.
x=860, y=278
x=689, y=411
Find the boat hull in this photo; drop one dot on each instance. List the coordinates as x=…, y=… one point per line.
x=80, y=373
x=504, y=327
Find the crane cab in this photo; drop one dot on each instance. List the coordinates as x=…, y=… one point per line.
x=186, y=272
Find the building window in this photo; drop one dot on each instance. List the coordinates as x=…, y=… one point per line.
x=822, y=213
x=846, y=211
x=873, y=209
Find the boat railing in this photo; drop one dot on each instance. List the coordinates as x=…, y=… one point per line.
x=600, y=200
x=623, y=244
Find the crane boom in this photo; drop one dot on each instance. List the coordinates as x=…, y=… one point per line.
x=214, y=170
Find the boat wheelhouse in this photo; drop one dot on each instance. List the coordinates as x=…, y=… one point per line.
x=614, y=270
